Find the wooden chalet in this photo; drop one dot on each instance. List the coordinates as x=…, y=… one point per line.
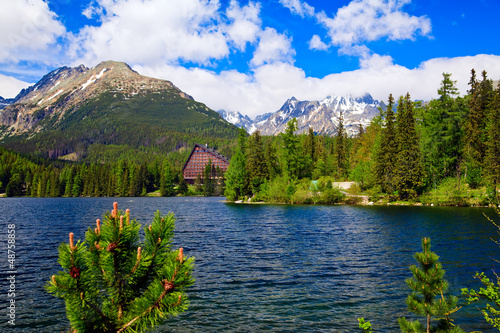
x=199, y=157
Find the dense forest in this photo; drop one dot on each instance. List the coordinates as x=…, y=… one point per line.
x=445, y=151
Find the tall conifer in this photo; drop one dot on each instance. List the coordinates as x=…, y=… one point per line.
x=492, y=157
x=409, y=172
x=386, y=156
x=341, y=148
x=291, y=156
x=256, y=162
x=481, y=95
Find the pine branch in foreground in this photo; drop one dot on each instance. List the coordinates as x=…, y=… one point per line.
x=112, y=282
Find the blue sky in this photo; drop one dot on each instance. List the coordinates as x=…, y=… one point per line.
x=250, y=56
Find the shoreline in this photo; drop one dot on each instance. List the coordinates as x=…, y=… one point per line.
x=363, y=202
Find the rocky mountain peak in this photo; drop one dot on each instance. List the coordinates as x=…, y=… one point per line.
x=67, y=88
x=322, y=115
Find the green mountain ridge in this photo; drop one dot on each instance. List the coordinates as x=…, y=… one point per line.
x=106, y=112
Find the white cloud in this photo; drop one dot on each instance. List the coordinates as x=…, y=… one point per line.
x=272, y=47
x=317, y=44
x=165, y=31
x=139, y=31
x=298, y=7
x=269, y=86
x=27, y=27
x=10, y=87
x=369, y=20
x=245, y=23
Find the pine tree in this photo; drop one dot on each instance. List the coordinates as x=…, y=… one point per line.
x=409, y=172
x=256, y=162
x=113, y=283
x=236, y=177
x=167, y=180
x=208, y=180
x=291, y=157
x=341, y=148
x=428, y=300
x=386, y=156
x=481, y=95
x=198, y=184
x=442, y=133
x=271, y=157
x=492, y=158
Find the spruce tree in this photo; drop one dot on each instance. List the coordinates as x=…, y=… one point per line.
x=208, y=180
x=386, y=156
x=236, y=174
x=492, y=158
x=112, y=282
x=341, y=148
x=442, y=132
x=291, y=157
x=256, y=162
x=271, y=157
x=167, y=180
x=481, y=95
x=428, y=298
x=409, y=172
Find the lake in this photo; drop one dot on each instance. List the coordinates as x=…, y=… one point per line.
x=262, y=267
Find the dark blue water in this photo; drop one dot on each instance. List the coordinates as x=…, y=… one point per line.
x=262, y=268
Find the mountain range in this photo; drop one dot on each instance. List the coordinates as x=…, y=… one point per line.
x=322, y=116
x=95, y=114
x=107, y=110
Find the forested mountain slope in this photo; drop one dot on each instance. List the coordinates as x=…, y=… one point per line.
x=106, y=112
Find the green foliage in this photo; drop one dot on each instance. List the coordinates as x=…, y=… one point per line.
x=236, y=177
x=387, y=152
x=278, y=190
x=428, y=286
x=366, y=326
x=409, y=173
x=492, y=157
x=114, y=125
x=167, y=180
x=256, y=165
x=292, y=160
x=442, y=132
x=490, y=292
x=209, y=179
x=112, y=282
x=341, y=148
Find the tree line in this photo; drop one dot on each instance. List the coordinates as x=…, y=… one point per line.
x=20, y=176
x=409, y=149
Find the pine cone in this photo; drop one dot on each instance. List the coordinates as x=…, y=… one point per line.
x=111, y=247
x=74, y=272
x=169, y=286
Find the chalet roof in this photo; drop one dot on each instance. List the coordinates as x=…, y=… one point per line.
x=214, y=152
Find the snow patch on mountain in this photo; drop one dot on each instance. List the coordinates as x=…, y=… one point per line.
x=322, y=116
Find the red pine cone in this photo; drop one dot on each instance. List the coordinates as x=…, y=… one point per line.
x=74, y=272
x=111, y=247
x=169, y=286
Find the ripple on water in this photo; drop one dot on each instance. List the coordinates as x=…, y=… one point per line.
x=262, y=268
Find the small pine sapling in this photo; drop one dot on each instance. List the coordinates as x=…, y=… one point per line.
x=428, y=300
x=112, y=282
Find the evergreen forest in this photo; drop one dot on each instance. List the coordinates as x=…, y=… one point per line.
x=445, y=151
